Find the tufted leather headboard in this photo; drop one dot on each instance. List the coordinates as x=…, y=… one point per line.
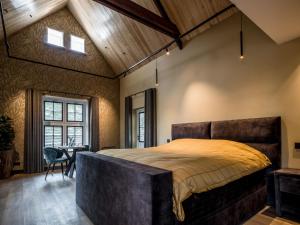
x=264, y=134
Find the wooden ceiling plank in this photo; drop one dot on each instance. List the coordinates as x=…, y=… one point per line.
x=142, y=15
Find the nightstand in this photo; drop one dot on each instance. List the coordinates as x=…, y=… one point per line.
x=287, y=191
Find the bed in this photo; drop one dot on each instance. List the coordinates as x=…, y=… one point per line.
x=114, y=191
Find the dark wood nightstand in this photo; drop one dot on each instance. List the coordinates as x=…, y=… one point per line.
x=287, y=191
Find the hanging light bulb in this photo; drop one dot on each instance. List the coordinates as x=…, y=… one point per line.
x=167, y=51
x=156, y=74
x=241, y=40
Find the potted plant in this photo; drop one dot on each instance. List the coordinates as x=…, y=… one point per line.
x=7, y=136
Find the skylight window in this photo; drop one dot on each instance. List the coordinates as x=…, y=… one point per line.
x=55, y=37
x=77, y=44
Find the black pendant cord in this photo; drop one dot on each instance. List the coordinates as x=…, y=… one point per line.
x=38, y=62
x=241, y=40
x=156, y=73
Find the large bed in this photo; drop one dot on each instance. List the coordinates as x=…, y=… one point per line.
x=115, y=191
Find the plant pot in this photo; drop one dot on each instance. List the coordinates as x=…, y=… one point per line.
x=6, y=163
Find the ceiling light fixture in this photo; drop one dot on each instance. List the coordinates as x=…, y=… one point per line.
x=156, y=74
x=167, y=51
x=241, y=40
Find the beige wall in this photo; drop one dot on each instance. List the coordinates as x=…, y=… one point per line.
x=207, y=81
x=16, y=76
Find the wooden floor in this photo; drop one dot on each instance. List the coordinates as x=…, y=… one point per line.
x=30, y=200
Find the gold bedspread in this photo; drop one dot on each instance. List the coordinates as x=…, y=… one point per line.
x=198, y=165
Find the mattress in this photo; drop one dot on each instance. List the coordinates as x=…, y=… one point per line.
x=197, y=165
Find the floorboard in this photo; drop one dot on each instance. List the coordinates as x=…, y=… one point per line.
x=30, y=200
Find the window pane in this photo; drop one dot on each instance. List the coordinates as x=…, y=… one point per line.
x=55, y=37
x=78, y=131
x=49, y=106
x=141, y=131
x=71, y=131
x=57, y=106
x=75, y=135
x=71, y=108
x=78, y=117
x=78, y=109
x=52, y=136
x=57, y=131
x=77, y=44
x=75, y=112
x=58, y=111
x=49, y=131
x=48, y=110
x=53, y=111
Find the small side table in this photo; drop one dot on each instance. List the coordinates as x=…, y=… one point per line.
x=287, y=191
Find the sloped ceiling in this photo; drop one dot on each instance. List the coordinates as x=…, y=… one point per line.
x=122, y=41
x=279, y=19
x=19, y=14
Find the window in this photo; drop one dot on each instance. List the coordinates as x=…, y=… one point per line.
x=53, y=136
x=75, y=136
x=77, y=44
x=55, y=37
x=65, y=121
x=141, y=126
x=53, y=111
x=75, y=112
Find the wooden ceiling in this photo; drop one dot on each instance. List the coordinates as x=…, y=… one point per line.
x=19, y=14
x=122, y=41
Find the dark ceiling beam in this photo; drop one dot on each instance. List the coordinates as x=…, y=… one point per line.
x=164, y=14
x=142, y=15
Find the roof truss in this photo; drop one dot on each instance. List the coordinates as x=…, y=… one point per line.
x=135, y=11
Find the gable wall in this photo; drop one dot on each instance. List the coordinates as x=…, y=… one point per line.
x=16, y=76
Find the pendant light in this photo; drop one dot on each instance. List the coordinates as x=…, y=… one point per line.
x=156, y=74
x=241, y=40
x=167, y=52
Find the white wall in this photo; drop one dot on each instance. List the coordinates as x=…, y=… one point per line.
x=207, y=81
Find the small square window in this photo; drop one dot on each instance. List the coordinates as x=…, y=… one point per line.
x=77, y=44
x=55, y=37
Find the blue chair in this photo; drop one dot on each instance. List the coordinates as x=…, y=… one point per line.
x=53, y=156
x=87, y=148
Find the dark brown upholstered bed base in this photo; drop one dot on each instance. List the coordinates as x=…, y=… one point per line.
x=231, y=204
x=113, y=191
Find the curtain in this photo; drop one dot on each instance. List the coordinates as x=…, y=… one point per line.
x=94, y=124
x=150, y=118
x=33, y=156
x=128, y=122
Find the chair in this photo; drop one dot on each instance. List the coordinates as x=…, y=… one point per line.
x=53, y=156
x=87, y=148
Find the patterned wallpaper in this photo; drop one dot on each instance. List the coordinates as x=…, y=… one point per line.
x=17, y=76
x=30, y=43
